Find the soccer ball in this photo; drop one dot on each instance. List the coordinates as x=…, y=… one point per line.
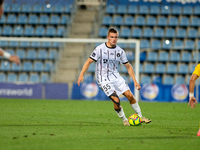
x=134, y=120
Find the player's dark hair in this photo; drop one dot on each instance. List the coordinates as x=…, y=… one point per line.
x=1, y=2
x=112, y=30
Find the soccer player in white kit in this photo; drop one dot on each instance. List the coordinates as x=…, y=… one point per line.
x=107, y=57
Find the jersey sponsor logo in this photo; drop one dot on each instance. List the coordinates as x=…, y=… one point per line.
x=179, y=92
x=149, y=91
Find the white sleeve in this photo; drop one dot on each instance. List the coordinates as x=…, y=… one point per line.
x=94, y=55
x=123, y=58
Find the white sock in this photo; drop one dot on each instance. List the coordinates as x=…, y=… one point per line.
x=121, y=114
x=137, y=109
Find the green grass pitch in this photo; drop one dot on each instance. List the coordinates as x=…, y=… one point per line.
x=94, y=125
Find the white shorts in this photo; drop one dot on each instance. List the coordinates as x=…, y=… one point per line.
x=119, y=86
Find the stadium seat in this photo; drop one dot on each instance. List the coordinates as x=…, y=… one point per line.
x=54, y=20
x=53, y=54
x=31, y=54
x=107, y=20
x=38, y=66
x=129, y=21
x=162, y=21
x=46, y=44
x=152, y=56
x=181, y=33
x=155, y=44
x=3, y=19
x=195, y=57
x=168, y=80
x=141, y=68
x=144, y=44
x=16, y=67
x=103, y=32
x=171, y=69
x=196, y=10
x=11, y=51
x=151, y=21
x=178, y=44
x=48, y=9
x=121, y=9
x=174, y=56
x=187, y=10
x=148, y=33
x=7, y=30
x=44, y=78
x=154, y=10
x=166, y=44
x=23, y=77
x=5, y=66
x=179, y=80
x=176, y=10
x=22, y=19
x=143, y=9
x=132, y=9
x=61, y=31
x=183, y=69
x=159, y=33
x=11, y=19
x=184, y=21
x=27, y=66
x=13, y=44
x=42, y=54
x=43, y=20
x=136, y=32
x=2, y=77
x=186, y=57
x=170, y=33
x=92, y=68
x=165, y=10
x=65, y=20
x=163, y=56
x=191, y=68
x=40, y=31
x=50, y=31
x=157, y=79
x=24, y=44
x=125, y=32
x=192, y=33
x=34, y=78
x=48, y=66
x=3, y=43
x=21, y=53
x=173, y=21
x=33, y=19
x=130, y=55
x=148, y=68
x=145, y=79
x=35, y=44
x=189, y=45
x=12, y=77
x=26, y=8
x=67, y=9
x=29, y=31
x=37, y=9
x=15, y=8
x=195, y=22
x=160, y=68
x=117, y=20
x=7, y=8
x=123, y=45
x=18, y=31
x=58, y=9
x=140, y=21
x=110, y=9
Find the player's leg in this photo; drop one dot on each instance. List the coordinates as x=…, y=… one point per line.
x=134, y=104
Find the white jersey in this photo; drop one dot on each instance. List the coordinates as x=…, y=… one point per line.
x=107, y=60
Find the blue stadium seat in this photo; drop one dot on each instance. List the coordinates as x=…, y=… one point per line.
x=21, y=53
x=64, y=20
x=103, y=32
x=176, y=10
x=23, y=77
x=181, y=33
x=35, y=44
x=48, y=9
x=2, y=77
x=60, y=31
x=29, y=31
x=195, y=22
x=184, y=21
x=18, y=31
x=5, y=66
x=31, y=54
x=13, y=44
x=152, y=56
x=132, y=9
x=159, y=33
x=33, y=19
x=178, y=44
x=154, y=9
x=168, y=80
x=53, y=54
x=58, y=9
x=48, y=66
x=167, y=44
x=149, y=68
x=43, y=20
x=143, y=9
x=40, y=31
x=3, y=19
x=24, y=44
x=155, y=44
x=15, y=8
x=123, y=69
x=3, y=43
x=44, y=78
x=125, y=32
x=186, y=57
x=46, y=44
x=38, y=66
x=37, y=9
x=54, y=20
x=179, y=80
x=173, y=21
x=11, y=51
x=171, y=69
x=141, y=68
x=130, y=55
x=189, y=44
x=140, y=21
x=196, y=10
x=22, y=19
x=129, y=21
x=26, y=8
x=136, y=32
x=42, y=54
x=162, y=21
x=67, y=9
x=187, y=10
x=151, y=21
x=7, y=30
x=144, y=44
x=160, y=68
x=7, y=8
x=121, y=9
x=110, y=9
x=118, y=20
x=107, y=20
x=145, y=79
x=148, y=33
x=191, y=68
x=12, y=77
x=174, y=56
x=183, y=69
x=34, y=78
x=157, y=79
x=163, y=56
x=165, y=10
x=50, y=31
x=92, y=68
x=192, y=33
x=11, y=19
x=15, y=67
x=27, y=66
x=195, y=57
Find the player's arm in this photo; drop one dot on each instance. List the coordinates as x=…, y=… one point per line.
x=10, y=57
x=131, y=73
x=84, y=69
x=192, y=99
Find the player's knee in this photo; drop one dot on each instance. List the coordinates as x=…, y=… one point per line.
x=129, y=96
x=114, y=97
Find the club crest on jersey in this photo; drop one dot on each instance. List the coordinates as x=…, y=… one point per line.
x=118, y=54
